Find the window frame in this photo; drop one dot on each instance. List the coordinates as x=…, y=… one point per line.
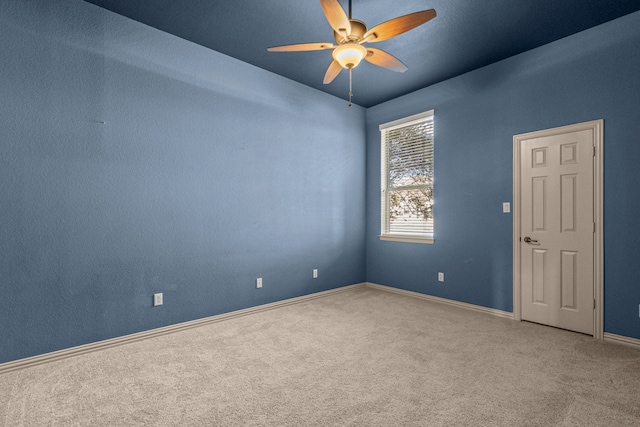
x=427, y=238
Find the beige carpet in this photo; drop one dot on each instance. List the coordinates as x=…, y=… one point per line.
x=359, y=358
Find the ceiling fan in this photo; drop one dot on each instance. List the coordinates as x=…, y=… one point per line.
x=351, y=35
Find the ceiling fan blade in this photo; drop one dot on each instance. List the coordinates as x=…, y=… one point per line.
x=336, y=16
x=332, y=72
x=383, y=59
x=300, y=47
x=398, y=25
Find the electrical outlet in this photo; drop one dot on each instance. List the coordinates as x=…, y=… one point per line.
x=440, y=277
x=315, y=273
x=157, y=299
x=259, y=282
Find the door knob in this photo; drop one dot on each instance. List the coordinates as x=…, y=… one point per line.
x=529, y=240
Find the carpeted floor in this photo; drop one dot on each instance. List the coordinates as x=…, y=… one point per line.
x=364, y=357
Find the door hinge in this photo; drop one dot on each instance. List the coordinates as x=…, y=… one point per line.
x=594, y=151
x=594, y=304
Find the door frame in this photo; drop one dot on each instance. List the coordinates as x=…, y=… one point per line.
x=597, y=127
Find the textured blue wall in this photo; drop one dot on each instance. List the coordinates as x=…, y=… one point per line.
x=588, y=76
x=206, y=173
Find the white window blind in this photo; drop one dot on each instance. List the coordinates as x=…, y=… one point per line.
x=407, y=178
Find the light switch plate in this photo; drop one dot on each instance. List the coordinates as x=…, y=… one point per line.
x=157, y=299
x=506, y=207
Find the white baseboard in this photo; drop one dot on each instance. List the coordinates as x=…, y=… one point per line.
x=479, y=308
x=113, y=342
x=620, y=339
x=100, y=345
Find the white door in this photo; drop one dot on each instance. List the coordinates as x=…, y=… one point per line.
x=557, y=228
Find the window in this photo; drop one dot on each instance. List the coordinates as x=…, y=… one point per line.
x=407, y=179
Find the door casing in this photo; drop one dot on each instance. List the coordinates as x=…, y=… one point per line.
x=597, y=127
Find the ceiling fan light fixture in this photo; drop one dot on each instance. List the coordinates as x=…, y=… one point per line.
x=349, y=55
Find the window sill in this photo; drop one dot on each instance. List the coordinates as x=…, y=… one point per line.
x=407, y=239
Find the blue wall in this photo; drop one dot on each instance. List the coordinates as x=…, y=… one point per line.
x=134, y=162
x=591, y=75
x=206, y=173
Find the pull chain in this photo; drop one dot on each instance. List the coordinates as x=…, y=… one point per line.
x=350, y=86
x=350, y=68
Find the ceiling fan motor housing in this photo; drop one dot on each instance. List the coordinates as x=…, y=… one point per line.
x=358, y=29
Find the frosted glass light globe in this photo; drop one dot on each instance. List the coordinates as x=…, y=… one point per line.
x=349, y=55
